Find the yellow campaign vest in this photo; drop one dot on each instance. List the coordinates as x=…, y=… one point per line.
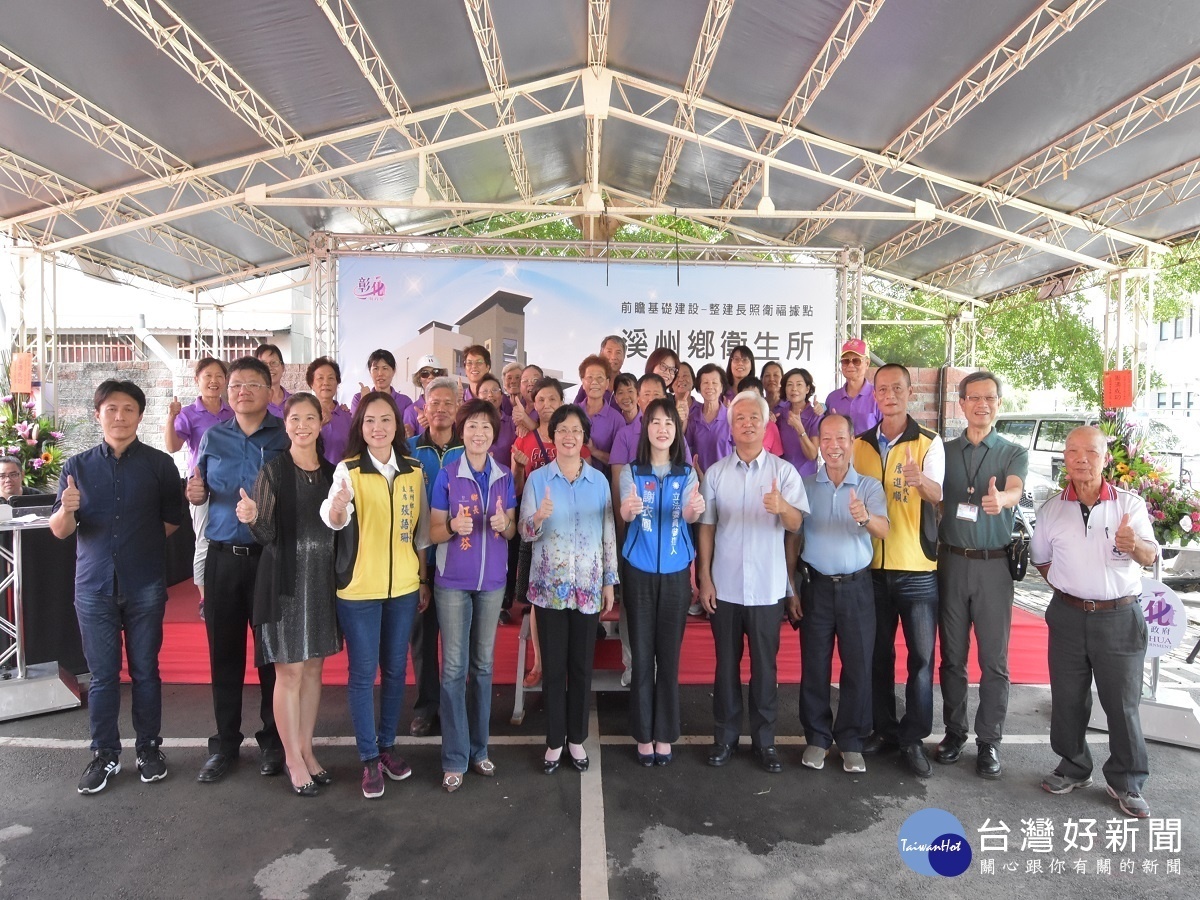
x=376, y=558
x=911, y=544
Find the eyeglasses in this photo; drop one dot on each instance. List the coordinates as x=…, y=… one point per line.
x=236, y=386
x=429, y=373
x=974, y=399
x=568, y=432
x=852, y=360
x=667, y=370
x=10, y=476
x=474, y=363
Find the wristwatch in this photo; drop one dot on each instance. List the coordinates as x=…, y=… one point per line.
x=864, y=522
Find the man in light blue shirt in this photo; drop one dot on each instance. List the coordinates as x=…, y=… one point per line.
x=752, y=498
x=837, y=598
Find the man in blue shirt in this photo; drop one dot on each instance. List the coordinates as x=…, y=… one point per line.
x=230, y=456
x=836, y=598
x=752, y=497
x=123, y=500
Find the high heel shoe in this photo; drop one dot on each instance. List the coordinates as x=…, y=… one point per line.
x=580, y=763
x=308, y=789
x=323, y=778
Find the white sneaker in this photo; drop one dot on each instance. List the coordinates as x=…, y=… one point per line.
x=626, y=677
x=853, y=762
x=814, y=757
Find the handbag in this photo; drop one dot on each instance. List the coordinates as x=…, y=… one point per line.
x=1018, y=549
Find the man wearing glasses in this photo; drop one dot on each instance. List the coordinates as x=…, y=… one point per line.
x=985, y=476
x=230, y=455
x=428, y=368
x=855, y=398
x=12, y=479
x=477, y=362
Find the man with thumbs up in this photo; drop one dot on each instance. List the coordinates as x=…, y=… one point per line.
x=1090, y=544
x=910, y=462
x=985, y=476
x=122, y=499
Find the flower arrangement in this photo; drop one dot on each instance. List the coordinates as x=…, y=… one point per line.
x=1174, y=508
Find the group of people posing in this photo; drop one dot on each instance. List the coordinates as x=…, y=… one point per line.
x=394, y=524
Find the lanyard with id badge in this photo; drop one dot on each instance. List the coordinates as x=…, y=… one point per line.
x=969, y=511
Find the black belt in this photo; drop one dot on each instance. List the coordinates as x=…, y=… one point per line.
x=237, y=549
x=1095, y=605
x=839, y=579
x=978, y=554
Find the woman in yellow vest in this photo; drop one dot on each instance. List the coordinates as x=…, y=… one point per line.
x=377, y=505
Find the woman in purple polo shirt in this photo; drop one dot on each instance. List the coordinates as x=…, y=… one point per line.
x=772, y=379
x=708, y=428
x=595, y=375
x=323, y=376
x=740, y=365
x=798, y=421
x=381, y=364
x=472, y=518
x=185, y=426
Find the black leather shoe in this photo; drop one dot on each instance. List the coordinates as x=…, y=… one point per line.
x=214, y=768
x=719, y=754
x=877, y=743
x=949, y=750
x=422, y=726
x=323, y=778
x=914, y=755
x=308, y=789
x=270, y=761
x=580, y=764
x=987, y=763
x=769, y=760
x=550, y=766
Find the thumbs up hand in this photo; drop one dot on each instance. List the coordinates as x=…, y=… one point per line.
x=70, y=496
x=197, y=490
x=463, y=523
x=1126, y=538
x=912, y=472
x=992, y=502
x=174, y=408
x=773, y=501
x=499, y=520
x=858, y=509
x=544, y=511
x=342, y=498
x=246, y=509
x=694, y=506
x=632, y=505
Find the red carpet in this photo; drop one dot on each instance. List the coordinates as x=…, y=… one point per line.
x=184, y=658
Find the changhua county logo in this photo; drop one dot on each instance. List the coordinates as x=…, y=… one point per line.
x=933, y=842
x=370, y=288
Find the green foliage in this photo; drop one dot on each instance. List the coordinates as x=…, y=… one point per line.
x=1177, y=282
x=1036, y=343
x=910, y=345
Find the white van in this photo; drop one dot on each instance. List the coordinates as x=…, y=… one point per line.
x=1044, y=435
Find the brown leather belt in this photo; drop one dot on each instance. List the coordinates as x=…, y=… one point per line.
x=977, y=554
x=1095, y=605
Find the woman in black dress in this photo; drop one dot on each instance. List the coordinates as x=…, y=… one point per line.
x=295, y=618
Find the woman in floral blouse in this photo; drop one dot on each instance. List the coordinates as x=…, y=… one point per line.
x=566, y=514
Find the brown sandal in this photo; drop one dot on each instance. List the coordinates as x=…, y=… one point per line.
x=484, y=767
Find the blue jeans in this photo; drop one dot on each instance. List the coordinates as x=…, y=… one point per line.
x=377, y=633
x=102, y=619
x=908, y=600
x=468, y=620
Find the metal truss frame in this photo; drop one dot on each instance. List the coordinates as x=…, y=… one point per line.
x=854, y=21
x=1159, y=103
x=1038, y=32
x=483, y=27
x=54, y=101
x=716, y=17
x=163, y=27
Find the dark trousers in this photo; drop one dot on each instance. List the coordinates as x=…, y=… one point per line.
x=568, y=639
x=759, y=625
x=1110, y=646
x=656, y=608
x=427, y=668
x=510, y=583
x=974, y=593
x=908, y=600
x=845, y=610
x=228, y=603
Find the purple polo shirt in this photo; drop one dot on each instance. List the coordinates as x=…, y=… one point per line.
x=605, y=426
x=624, y=448
x=478, y=561
x=792, y=451
x=711, y=439
x=403, y=402
x=581, y=399
x=861, y=409
x=191, y=423
x=410, y=415
x=276, y=409
x=336, y=434
x=502, y=445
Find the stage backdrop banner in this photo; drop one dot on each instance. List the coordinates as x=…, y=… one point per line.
x=555, y=312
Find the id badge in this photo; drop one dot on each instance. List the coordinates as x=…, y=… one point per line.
x=967, y=512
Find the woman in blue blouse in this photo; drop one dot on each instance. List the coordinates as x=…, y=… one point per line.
x=566, y=514
x=660, y=497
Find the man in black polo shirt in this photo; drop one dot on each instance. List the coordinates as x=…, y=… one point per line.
x=123, y=499
x=230, y=455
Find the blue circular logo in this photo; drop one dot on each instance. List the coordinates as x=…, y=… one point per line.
x=933, y=842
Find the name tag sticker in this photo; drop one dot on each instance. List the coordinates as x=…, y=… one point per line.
x=967, y=512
